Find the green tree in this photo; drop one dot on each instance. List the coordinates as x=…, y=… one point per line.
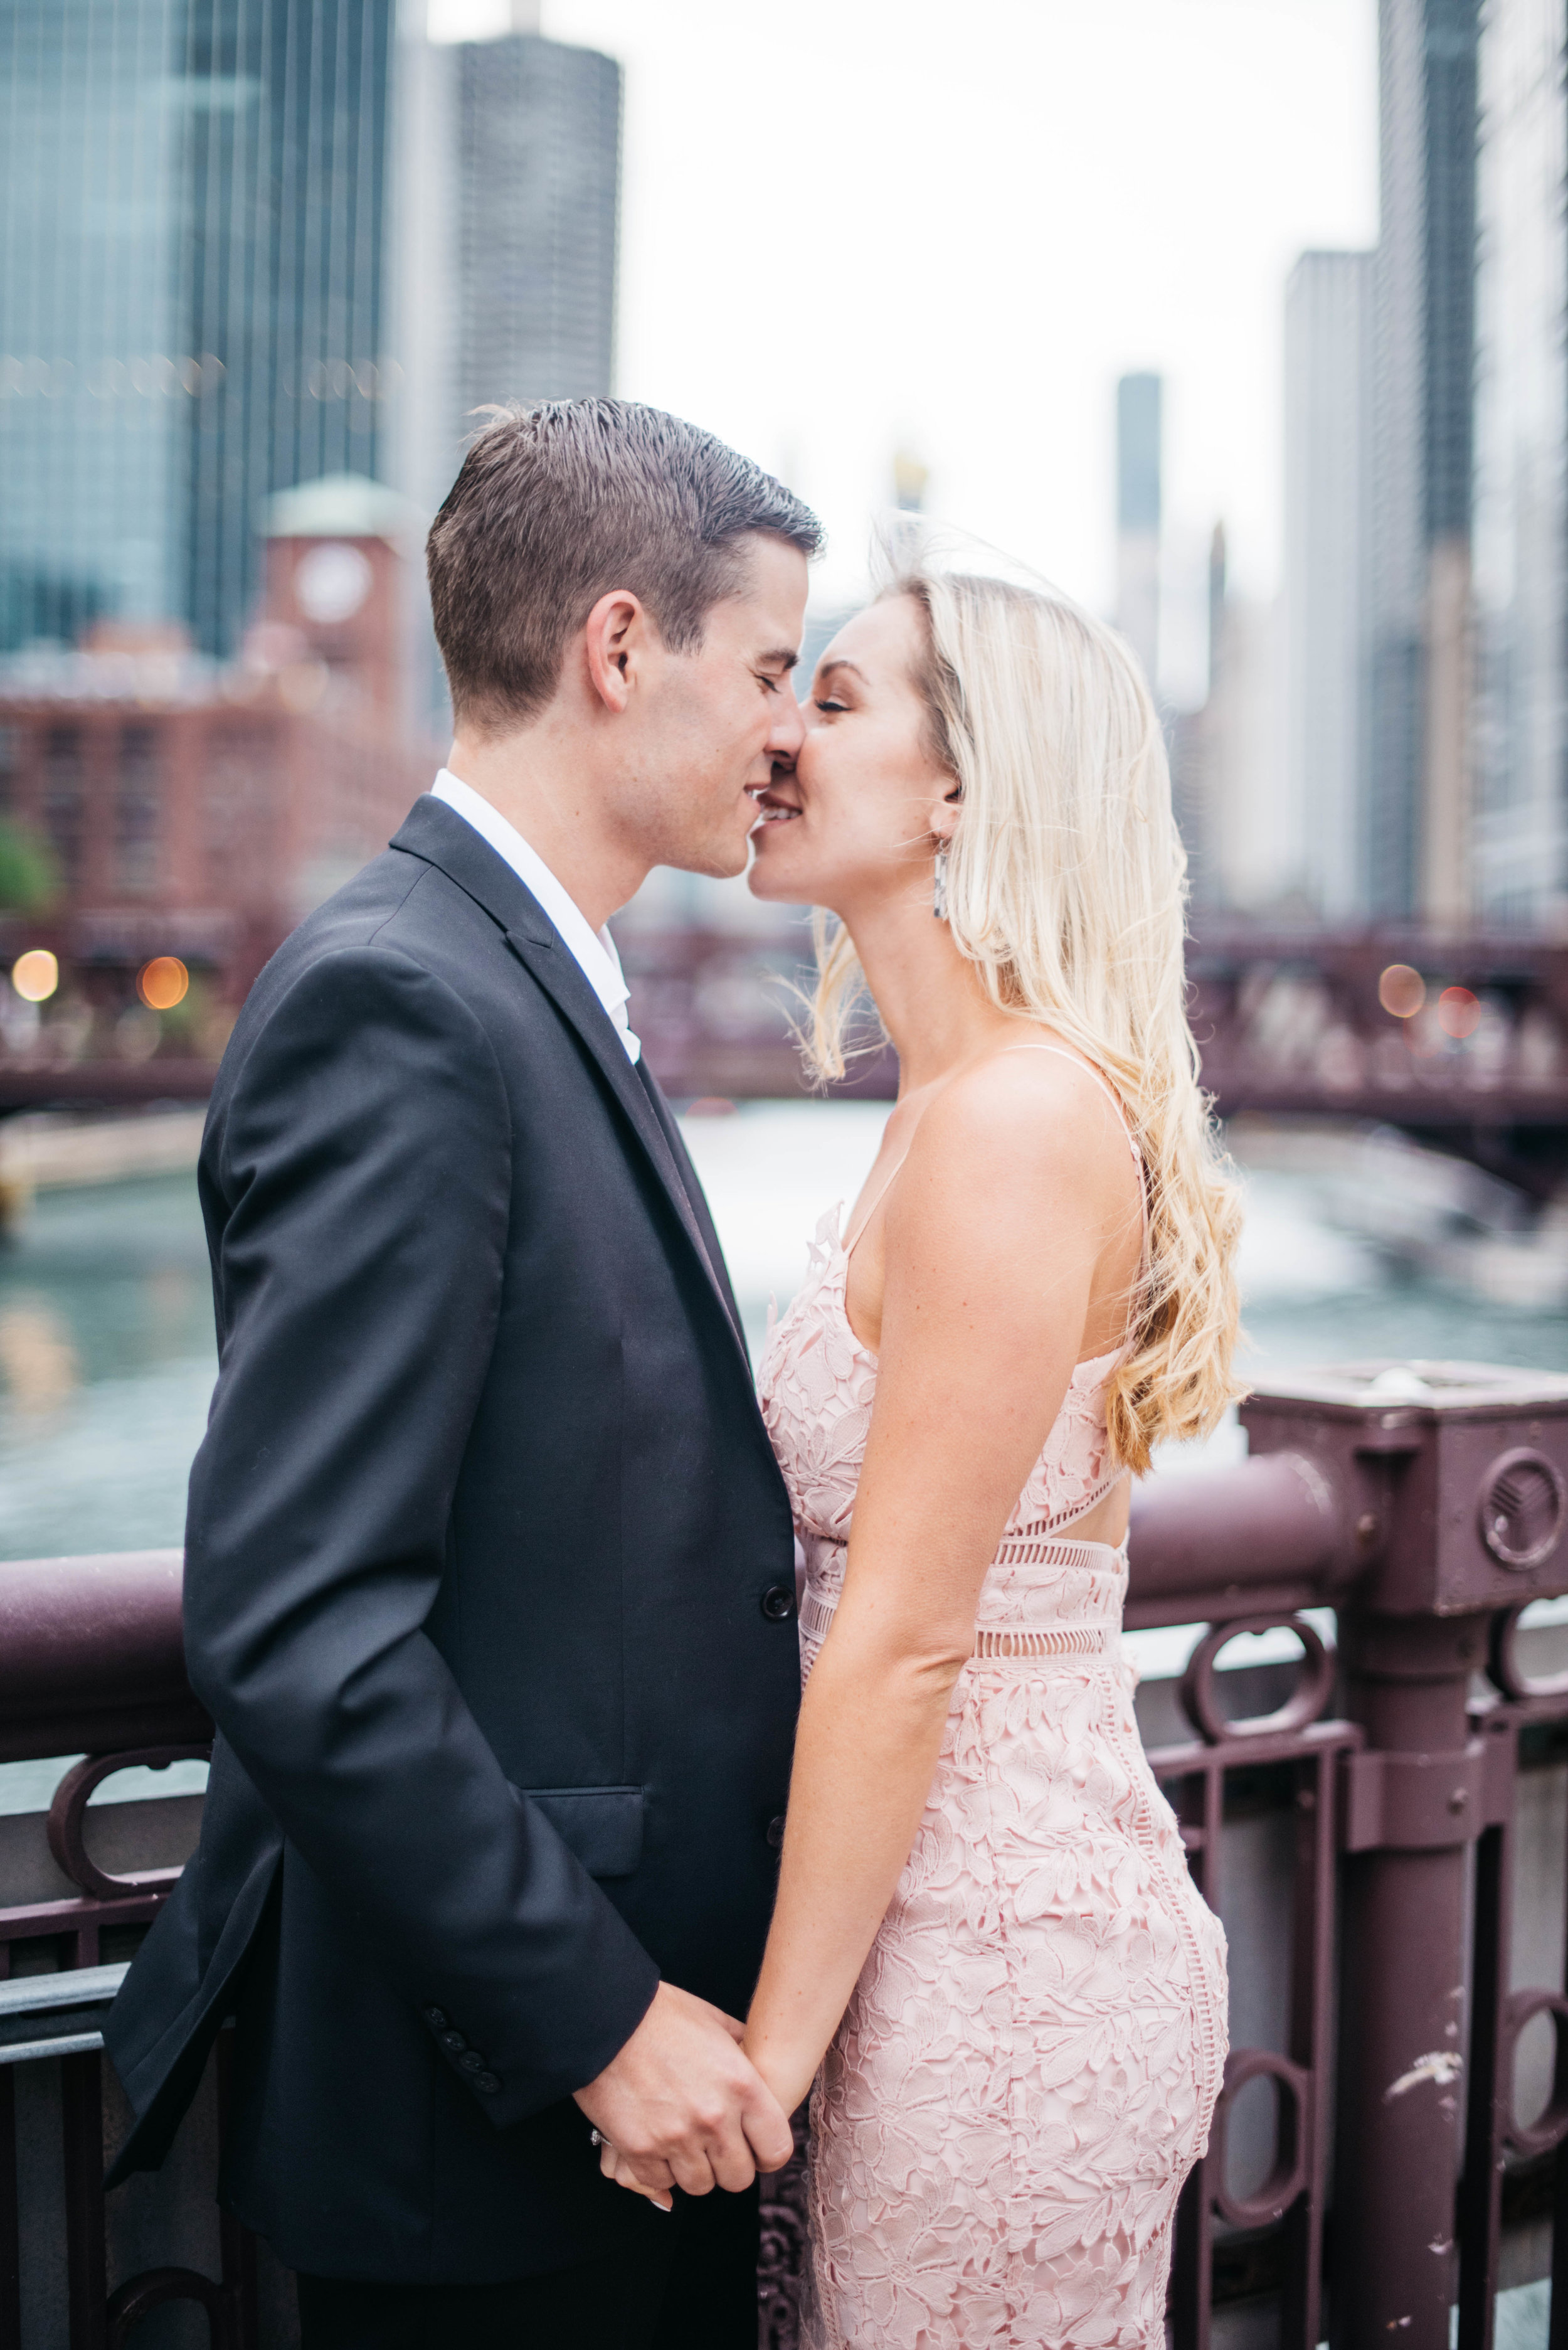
x=29, y=875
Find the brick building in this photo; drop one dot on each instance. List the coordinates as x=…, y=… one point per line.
x=197, y=809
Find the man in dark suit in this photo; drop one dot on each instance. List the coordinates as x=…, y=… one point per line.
x=488, y=1583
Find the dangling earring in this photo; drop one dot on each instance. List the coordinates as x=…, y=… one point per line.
x=939, y=892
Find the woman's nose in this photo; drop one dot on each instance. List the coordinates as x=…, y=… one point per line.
x=788, y=731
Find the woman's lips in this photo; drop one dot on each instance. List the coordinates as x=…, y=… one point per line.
x=771, y=810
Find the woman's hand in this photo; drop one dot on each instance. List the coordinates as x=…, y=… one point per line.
x=616, y=2167
x=790, y=2085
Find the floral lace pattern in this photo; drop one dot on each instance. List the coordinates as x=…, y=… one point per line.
x=1028, y=2068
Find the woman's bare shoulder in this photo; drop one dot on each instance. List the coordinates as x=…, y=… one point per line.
x=1042, y=1112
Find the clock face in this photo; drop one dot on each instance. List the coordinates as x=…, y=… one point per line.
x=331, y=582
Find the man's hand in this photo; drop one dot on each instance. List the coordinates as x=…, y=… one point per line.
x=683, y=2103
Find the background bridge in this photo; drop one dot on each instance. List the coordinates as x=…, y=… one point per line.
x=1460, y=1041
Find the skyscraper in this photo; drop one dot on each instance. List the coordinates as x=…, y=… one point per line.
x=1418, y=837
x=191, y=293
x=1521, y=466
x=1139, y=399
x=284, y=258
x=507, y=235
x=1327, y=547
x=96, y=369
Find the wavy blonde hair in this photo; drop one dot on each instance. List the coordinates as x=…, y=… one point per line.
x=1067, y=890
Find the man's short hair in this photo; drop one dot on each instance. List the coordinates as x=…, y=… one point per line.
x=559, y=501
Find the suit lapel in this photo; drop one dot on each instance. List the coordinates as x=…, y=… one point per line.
x=442, y=838
x=556, y=971
x=693, y=1185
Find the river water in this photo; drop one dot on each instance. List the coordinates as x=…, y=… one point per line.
x=106, y=1347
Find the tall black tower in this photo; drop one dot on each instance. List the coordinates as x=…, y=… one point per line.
x=1424, y=337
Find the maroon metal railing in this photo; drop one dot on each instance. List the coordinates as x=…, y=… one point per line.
x=1426, y=1504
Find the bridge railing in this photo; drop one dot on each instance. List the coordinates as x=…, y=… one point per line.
x=1373, y=1836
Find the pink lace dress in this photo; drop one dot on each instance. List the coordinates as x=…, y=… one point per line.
x=1028, y=2068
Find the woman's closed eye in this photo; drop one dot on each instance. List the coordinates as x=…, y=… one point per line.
x=827, y=702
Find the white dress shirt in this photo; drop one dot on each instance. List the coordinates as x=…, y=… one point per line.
x=593, y=951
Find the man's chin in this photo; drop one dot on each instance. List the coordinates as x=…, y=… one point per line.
x=715, y=862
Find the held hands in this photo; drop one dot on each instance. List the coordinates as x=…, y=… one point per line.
x=682, y=2105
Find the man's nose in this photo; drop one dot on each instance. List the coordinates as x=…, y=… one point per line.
x=787, y=731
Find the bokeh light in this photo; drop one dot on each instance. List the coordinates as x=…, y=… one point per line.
x=1457, y=1012
x=163, y=983
x=35, y=975
x=1402, y=991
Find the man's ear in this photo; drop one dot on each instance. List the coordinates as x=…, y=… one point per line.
x=617, y=635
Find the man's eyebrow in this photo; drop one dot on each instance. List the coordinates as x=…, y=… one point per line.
x=782, y=658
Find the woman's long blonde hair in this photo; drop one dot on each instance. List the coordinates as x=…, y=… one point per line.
x=1066, y=889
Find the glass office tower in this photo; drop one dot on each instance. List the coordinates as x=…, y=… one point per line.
x=191, y=195
x=95, y=367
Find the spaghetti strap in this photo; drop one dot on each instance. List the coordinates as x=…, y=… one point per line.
x=850, y=1246
x=1061, y=1055
x=1091, y=1072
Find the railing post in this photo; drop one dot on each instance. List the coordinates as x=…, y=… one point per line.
x=1452, y=1481
x=1413, y=1807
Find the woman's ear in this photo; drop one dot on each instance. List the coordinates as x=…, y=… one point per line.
x=945, y=814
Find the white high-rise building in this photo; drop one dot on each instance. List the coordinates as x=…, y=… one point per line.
x=1328, y=428
x=1520, y=526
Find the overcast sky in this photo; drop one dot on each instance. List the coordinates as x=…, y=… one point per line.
x=851, y=226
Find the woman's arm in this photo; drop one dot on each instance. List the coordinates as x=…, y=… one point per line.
x=996, y=1229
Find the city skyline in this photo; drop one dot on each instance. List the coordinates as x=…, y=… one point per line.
x=959, y=233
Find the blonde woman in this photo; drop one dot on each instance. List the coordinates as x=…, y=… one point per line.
x=987, y=1950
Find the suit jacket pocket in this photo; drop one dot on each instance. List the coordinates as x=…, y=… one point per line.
x=603, y=1825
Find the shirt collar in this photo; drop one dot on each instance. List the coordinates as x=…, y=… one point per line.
x=593, y=951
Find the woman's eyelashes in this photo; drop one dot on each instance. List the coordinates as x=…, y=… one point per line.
x=826, y=701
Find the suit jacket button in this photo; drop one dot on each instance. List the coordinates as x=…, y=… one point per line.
x=453, y=2043
x=486, y=2083
x=778, y=1604
x=472, y=2060
x=436, y=2018
x=776, y=1831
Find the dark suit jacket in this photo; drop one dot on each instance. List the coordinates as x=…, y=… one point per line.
x=488, y=1588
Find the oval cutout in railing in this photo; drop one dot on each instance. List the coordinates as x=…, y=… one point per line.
x=1305, y=1704
x=1288, y=2171
x=1504, y=1666
x=1549, y=2127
